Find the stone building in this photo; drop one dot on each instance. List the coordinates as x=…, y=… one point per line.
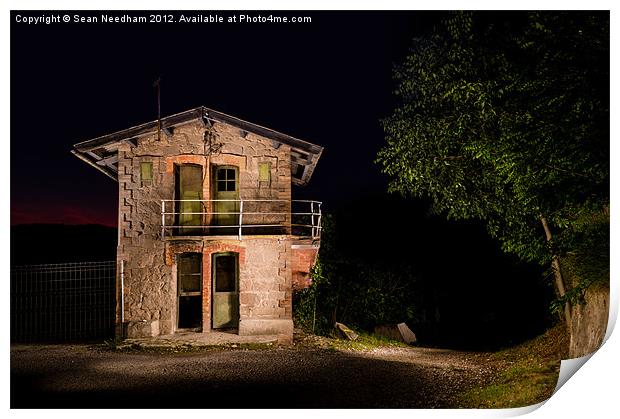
x=208, y=235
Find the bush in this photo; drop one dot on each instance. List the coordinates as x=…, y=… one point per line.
x=357, y=293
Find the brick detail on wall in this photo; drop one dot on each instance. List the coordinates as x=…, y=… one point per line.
x=302, y=260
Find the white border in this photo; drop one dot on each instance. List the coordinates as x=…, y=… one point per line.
x=592, y=393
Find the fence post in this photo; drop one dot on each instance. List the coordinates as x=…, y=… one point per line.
x=122, y=293
x=312, y=216
x=319, y=223
x=240, y=216
x=163, y=218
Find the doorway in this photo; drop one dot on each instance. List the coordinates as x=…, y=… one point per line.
x=188, y=193
x=225, y=268
x=226, y=199
x=189, y=291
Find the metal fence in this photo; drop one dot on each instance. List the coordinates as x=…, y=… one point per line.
x=63, y=301
x=241, y=216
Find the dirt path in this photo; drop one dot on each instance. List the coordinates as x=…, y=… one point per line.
x=80, y=376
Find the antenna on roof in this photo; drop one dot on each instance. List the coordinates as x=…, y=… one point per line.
x=157, y=84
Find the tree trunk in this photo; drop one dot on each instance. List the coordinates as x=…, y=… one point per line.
x=557, y=273
x=314, y=310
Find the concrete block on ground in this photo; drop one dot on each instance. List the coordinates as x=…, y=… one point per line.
x=343, y=332
x=400, y=332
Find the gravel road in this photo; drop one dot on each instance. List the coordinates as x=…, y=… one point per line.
x=82, y=376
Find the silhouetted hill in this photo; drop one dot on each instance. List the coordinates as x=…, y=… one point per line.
x=59, y=243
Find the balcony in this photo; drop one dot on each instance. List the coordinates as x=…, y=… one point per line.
x=240, y=217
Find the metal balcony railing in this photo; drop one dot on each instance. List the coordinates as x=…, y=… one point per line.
x=205, y=217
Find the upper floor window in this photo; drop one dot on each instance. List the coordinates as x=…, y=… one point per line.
x=146, y=172
x=226, y=179
x=264, y=172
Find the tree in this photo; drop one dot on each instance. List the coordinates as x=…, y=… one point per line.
x=358, y=292
x=505, y=119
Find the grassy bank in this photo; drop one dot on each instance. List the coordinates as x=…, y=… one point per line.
x=527, y=374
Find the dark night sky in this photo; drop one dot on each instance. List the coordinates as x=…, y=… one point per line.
x=328, y=82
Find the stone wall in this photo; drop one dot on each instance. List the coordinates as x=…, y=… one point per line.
x=150, y=266
x=265, y=287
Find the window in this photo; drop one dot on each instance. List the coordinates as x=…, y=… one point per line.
x=189, y=272
x=264, y=172
x=226, y=273
x=226, y=180
x=146, y=171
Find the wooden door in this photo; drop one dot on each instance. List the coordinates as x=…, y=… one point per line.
x=225, y=302
x=189, y=291
x=188, y=185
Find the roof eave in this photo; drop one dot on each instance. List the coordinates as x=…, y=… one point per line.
x=88, y=150
x=105, y=170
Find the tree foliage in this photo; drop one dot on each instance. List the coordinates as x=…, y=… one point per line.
x=506, y=120
x=356, y=292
